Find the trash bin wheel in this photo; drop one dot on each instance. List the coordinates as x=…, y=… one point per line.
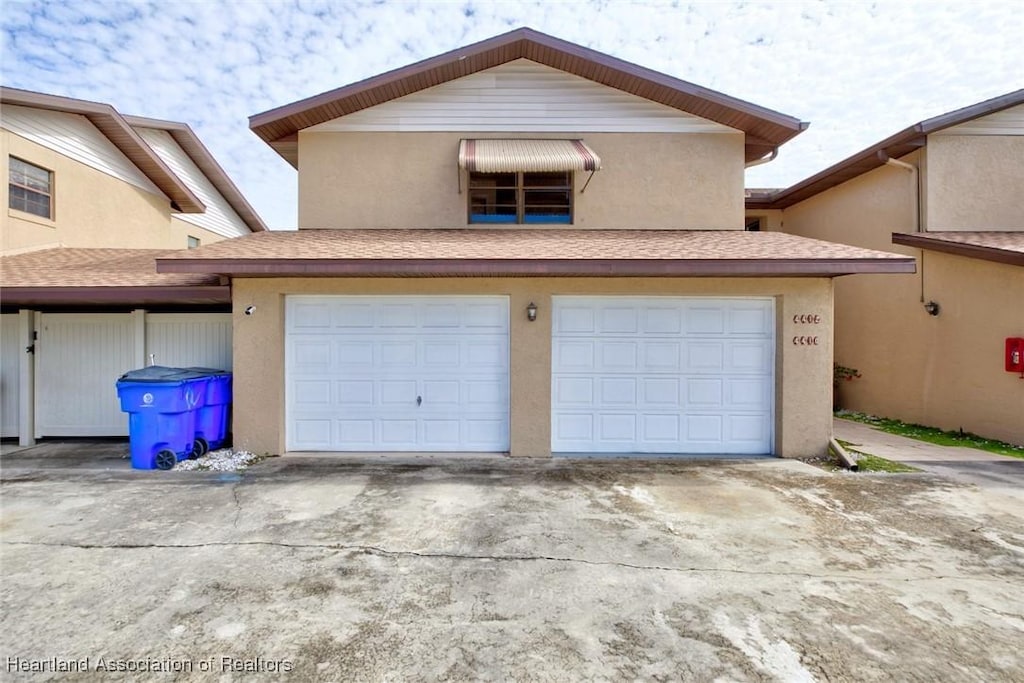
x=166, y=459
x=199, y=448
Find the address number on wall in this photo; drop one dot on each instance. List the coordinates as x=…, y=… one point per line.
x=805, y=340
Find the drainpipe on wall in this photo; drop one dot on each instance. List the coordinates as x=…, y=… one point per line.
x=918, y=223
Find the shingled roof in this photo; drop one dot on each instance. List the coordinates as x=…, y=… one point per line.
x=103, y=276
x=530, y=252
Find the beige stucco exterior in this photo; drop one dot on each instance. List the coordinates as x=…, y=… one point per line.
x=411, y=180
x=975, y=182
x=947, y=370
x=91, y=209
x=802, y=401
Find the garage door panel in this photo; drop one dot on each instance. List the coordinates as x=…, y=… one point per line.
x=662, y=320
x=616, y=320
x=659, y=428
x=704, y=392
x=663, y=356
x=313, y=432
x=311, y=317
x=617, y=391
x=749, y=321
x=574, y=355
x=659, y=392
x=359, y=432
x=705, y=320
x=355, y=393
x=662, y=375
x=705, y=356
x=450, y=352
x=313, y=392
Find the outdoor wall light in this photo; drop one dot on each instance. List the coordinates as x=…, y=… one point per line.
x=531, y=312
x=932, y=308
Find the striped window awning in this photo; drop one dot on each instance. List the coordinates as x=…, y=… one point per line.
x=510, y=156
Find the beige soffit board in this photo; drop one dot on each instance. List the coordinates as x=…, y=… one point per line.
x=509, y=156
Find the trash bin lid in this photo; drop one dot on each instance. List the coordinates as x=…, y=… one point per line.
x=160, y=373
x=209, y=371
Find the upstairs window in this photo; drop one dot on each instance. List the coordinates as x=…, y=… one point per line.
x=30, y=188
x=521, y=197
x=193, y=242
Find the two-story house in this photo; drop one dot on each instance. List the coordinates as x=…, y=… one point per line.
x=93, y=197
x=527, y=246
x=933, y=347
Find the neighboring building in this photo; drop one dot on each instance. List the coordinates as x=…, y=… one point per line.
x=93, y=197
x=526, y=246
x=930, y=346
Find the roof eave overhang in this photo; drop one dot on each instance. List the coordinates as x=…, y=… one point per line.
x=895, y=146
x=123, y=296
x=1013, y=258
x=766, y=128
x=186, y=138
x=537, y=267
x=115, y=128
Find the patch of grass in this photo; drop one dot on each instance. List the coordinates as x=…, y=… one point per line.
x=935, y=436
x=867, y=462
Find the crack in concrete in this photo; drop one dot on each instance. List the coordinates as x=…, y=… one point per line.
x=384, y=552
x=238, y=503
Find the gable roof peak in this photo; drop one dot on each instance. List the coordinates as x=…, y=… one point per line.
x=765, y=129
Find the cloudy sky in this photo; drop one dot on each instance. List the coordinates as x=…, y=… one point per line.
x=858, y=71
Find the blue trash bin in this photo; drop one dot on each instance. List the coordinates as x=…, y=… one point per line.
x=162, y=404
x=212, y=417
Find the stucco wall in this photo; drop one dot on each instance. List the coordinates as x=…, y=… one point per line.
x=803, y=373
x=91, y=209
x=975, y=182
x=405, y=180
x=944, y=371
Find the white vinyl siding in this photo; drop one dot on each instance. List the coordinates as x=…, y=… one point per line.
x=662, y=375
x=523, y=96
x=75, y=137
x=397, y=373
x=79, y=358
x=219, y=217
x=10, y=354
x=1006, y=122
x=189, y=339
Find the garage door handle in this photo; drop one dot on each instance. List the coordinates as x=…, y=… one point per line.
x=419, y=400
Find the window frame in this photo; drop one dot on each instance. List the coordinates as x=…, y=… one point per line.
x=521, y=189
x=49, y=194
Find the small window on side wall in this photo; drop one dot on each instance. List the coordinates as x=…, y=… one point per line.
x=193, y=242
x=30, y=188
x=532, y=198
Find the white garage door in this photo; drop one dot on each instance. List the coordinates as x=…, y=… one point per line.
x=390, y=373
x=662, y=375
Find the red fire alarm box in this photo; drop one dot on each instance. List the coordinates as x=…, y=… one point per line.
x=1015, y=354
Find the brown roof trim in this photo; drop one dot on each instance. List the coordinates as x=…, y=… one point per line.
x=116, y=129
x=536, y=267
x=1013, y=258
x=895, y=146
x=29, y=296
x=766, y=129
x=201, y=156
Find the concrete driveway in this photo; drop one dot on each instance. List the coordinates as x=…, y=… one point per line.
x=312, y=569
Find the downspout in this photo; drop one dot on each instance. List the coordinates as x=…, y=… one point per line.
x=763, y=160
x=886, y=159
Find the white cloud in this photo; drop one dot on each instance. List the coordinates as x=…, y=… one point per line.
x=859, y=72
